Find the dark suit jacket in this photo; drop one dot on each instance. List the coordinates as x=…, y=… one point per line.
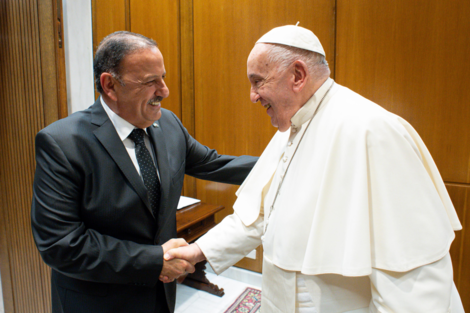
x=91, y=217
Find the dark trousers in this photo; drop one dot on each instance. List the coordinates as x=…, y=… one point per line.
x=70, y=295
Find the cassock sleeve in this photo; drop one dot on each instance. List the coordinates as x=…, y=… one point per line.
x=428, y=288
x=230, y=241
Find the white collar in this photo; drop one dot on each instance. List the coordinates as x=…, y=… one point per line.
x=308, y=109
x=123, y=127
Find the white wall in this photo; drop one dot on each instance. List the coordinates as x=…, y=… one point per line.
x=78, y=44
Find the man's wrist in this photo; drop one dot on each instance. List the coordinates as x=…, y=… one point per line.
x=198, y=253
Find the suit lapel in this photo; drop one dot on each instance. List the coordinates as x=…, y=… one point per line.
x=107, y=135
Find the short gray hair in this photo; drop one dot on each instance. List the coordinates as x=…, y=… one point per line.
x=286, y=55
x=112, y=50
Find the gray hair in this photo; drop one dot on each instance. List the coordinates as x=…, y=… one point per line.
x=112, y=50
x=284, y=56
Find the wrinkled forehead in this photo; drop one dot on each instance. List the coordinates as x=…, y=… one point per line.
x=142, y=59
x=258, y=59
x=259, y=51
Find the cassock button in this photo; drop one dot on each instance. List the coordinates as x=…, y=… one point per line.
x=155, y=124
x=289, y=143
x=284, y=159
x=294, y=130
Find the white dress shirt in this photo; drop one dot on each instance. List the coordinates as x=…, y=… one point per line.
x=124, y=129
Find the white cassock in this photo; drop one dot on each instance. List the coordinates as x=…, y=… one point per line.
x=352, y=213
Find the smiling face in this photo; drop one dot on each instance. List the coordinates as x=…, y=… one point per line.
x=271, y=87
x=143, y=87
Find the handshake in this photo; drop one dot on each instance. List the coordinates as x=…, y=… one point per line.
x=179, y=259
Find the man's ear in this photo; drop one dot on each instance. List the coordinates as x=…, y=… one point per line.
x=108, y=83
x=300, y=75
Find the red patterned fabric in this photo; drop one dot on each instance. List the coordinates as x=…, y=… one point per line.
x=249, y=301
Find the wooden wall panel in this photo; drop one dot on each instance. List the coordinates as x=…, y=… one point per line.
x=159, y=20
x=459, y=251
x=109, y=16
x=224, y=34
x=412, y=59
x=187, y=81
x=59, y=68
x=29, y=101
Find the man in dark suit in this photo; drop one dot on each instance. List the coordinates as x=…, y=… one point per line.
x=107, y=184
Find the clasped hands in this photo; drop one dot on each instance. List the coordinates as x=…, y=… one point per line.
x=179, y=259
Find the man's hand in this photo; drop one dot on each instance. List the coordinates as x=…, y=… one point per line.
x=174, y=268
x=191, y=254
x=173, y=243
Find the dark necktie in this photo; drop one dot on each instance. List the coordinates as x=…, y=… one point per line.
x=147, y=169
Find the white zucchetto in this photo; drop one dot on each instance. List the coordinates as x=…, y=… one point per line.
x=294, y=36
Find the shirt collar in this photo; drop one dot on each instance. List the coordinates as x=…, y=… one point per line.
x=308, y=109
x=123, y=127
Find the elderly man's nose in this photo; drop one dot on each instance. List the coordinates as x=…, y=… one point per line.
x=254, y=96
x=163, y=91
